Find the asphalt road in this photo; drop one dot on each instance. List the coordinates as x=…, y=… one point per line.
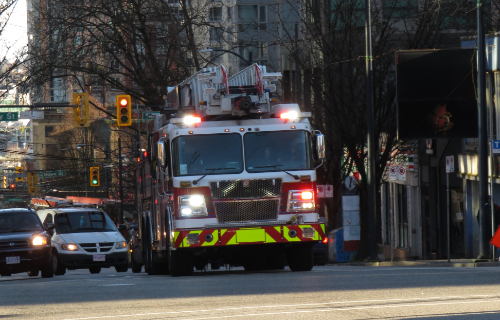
x=327, y=292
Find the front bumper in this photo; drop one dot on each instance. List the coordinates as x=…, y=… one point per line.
x=83, y=261
x=30, y=259
x=245, y=236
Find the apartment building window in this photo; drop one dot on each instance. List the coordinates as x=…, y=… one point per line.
x=347, y=15
x=161, y=32
x=229, y=13
x=402, y=216
x=259, y=52
x=115, y=84
x=161, y=48
x=230, y=37
x=252, y=18
x=115, y=65
x=398, y=9
x=216, y=34
x=216, y=14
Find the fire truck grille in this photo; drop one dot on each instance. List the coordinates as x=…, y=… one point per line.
x=244, y=189
x=246, y=210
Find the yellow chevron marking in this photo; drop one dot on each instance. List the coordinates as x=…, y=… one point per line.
x=215, y=234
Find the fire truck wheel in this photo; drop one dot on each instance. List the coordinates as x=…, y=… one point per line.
x=180, y=263
x=300, y=257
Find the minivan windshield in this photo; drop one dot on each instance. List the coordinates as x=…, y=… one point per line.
x=19, y=222
x=83, y=221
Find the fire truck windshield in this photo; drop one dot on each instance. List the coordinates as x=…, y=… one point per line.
x=200, y=154
x=278, y=150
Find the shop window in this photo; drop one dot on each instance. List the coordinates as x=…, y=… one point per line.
x=402, y=216
x=387, y=214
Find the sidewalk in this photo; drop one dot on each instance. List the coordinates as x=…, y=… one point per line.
x=456, y=263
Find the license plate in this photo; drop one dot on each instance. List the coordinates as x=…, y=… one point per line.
x=13, y=260
x=99, y=257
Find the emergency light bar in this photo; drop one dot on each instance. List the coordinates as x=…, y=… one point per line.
x=186, y=120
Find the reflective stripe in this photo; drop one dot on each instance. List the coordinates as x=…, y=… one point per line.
x=176, y=235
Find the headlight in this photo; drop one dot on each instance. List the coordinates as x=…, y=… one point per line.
x=192, y=205
x=69, y=247
x=39, y=241
x=120, y=245
x=300, y=201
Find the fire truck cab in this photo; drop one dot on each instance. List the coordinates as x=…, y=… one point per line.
x=231, y=182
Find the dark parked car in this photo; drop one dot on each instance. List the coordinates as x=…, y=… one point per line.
x=24, y=244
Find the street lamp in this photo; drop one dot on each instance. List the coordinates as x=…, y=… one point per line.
x=248, y=62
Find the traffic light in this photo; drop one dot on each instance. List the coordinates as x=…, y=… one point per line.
x=95, y=181
x=32, y=178
x=19, y=170
x=4, y=182
x=81, y=111
x=12, y=186
x=123, y=110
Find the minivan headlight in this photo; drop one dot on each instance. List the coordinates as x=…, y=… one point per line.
x=120, y=244
x=69, y=246
x=192, y=205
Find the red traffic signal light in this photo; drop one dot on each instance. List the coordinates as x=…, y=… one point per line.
x=123, y=110
x=12, y=186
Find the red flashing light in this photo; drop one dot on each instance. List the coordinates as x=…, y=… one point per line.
x=156, y=201
x=306, y=195
x=325, y=240
x=145, y=154
x=123, y=102
x=138, y=159
x=12, y=186
x=291, y=115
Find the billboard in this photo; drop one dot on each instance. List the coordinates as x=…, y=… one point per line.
x=436, y=94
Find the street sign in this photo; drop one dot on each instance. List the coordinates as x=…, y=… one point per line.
x=150, y=115
x=9, y=116
x=15, y=199
x=393, y=173
x=401, y=173
x=328, y=191
x=52, y=174
x=496, y=146
x=32, y=115
x=320, y=191
x=450, y=164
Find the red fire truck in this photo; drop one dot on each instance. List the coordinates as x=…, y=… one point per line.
x=229, y=179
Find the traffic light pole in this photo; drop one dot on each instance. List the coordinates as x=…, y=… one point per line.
x=120, y=177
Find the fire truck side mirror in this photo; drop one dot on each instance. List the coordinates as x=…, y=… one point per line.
x=162, y=159
x=320, y=145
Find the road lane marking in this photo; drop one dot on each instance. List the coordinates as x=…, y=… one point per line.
x=304, y=305
x=116, y=284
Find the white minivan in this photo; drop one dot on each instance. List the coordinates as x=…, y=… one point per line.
x=85, y=238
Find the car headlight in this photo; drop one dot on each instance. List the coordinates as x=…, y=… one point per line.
x=192, y=205
x=69, y=247
x=120, y=244
x=300, y=200
x=39, y=241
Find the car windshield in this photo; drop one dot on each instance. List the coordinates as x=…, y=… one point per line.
x=207, y=154
x=83, y=221
x=19, y=222
x=278, y=151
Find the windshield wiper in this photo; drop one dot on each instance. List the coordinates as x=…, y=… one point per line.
x=275, y=166
x=195, y=182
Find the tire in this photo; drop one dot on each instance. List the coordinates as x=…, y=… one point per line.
x=95, y=270
x=300, y=257
x=136, y=268
x=48, y=270
x=122, y=268
x=33, y=273
x=57, y=268
x=180, y=263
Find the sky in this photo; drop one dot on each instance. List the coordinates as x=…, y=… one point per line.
x=16, y=31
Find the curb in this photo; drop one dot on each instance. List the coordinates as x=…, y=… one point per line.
x=418, y=264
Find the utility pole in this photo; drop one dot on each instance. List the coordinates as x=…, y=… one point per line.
x=484, y=249
x=120, y=169
x=372, y=201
